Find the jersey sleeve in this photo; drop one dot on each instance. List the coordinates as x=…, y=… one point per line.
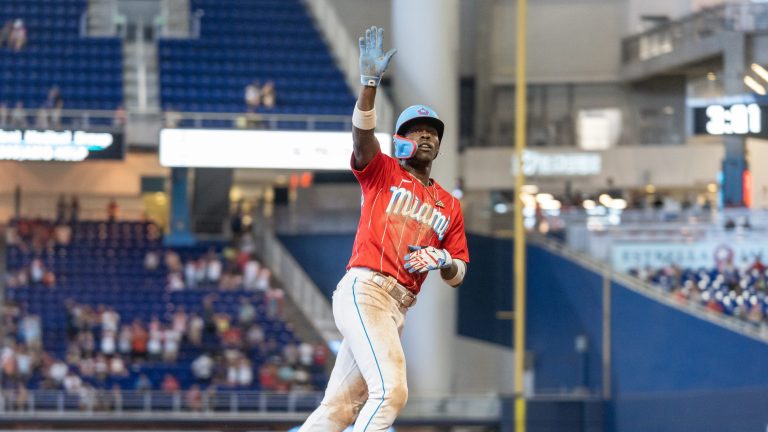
x=455, y=241
x=375, y=173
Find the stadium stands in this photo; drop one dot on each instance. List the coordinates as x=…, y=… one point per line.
x=87, y=70
x=246, y=41
x=88, y=281
x=739, y=292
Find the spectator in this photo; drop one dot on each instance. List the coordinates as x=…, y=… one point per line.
x=124, y=340
x=112, y=210
x=275, y=302
x=268, y=94
x=3, y=114
x=74, y=209
x=213, y=268
x=139, y=340
x=19, y=116
x=244, y=372
x=190, y=274
x=268, y=376
x=246, y=314
x=36, y=270
x=170, y=384
x=254, y=336
x=194, y=398
x=57, y=371
x=142, y=384
x=41, y=119
x=151, y=260
x=179, y=321
x=306, y=354
x=72, y=383
x=291, y=353
x=172, y=117
x=18, y=37
x=110, y=320
x=195, y=330
x=120, y=117
x=54, y=104
x=87, y=367
x=108, y=343
x=252, y=96
x=262, y=283
x=251, y=274
x=202, y=368
x=24, y=363
x=171, y=338
x=172, y=261
x=102, y=367
x=117, y=367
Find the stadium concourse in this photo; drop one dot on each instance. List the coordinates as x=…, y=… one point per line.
x=178, y=210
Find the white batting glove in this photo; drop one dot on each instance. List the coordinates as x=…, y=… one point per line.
x=423, y=259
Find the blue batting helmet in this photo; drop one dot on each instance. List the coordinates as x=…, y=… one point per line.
x=421, y=113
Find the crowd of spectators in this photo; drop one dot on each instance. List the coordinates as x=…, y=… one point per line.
x=102, y=352
x=735, y=289
x=217, y=346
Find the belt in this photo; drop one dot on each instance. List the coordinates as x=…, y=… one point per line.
x=394, y=289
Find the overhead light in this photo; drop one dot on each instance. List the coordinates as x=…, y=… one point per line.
x=650, y=189
x=605, y=200
x=754, y=85
x=544, y=197
x=551, y=205
x=712, y=187
x=618, y=204
x=588, y=204
x=711, y=76
x=760, y=71
x=500, y=208
x=530, y=189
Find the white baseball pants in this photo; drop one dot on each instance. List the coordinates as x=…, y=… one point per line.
x=370, y=365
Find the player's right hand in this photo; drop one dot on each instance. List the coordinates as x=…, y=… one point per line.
x=373, y=60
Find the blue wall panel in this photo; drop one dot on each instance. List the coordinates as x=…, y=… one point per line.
x=564, y=301
x=323, y=256
x=487, y=289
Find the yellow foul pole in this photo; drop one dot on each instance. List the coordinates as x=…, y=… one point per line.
x=519, y=264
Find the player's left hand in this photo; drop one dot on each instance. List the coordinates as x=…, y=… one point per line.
x=423, y=259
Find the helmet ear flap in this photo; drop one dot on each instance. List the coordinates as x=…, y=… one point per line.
x=404, y=148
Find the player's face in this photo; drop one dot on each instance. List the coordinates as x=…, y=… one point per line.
x=427, y=142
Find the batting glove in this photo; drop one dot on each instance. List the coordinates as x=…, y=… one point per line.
x=373, y=60
x=423, y=259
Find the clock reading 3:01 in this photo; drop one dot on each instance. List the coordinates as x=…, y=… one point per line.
x=738, y=119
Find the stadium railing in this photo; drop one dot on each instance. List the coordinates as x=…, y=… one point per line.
x=469, y=407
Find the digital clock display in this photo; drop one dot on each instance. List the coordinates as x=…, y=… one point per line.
x=736, y=119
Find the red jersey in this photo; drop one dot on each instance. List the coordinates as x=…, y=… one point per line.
x=398, y=211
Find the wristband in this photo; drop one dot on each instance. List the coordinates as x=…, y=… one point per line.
x=365, y=120
x=458, y=278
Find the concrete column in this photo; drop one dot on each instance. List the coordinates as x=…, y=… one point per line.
x=425, y=33
x=179, y=234
x=735, y=161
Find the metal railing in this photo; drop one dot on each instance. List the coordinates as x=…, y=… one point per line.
x=302, y=289
x=665, y=38
x=51, y=119
x=114, y=403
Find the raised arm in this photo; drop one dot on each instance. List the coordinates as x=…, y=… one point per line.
x=373, y=63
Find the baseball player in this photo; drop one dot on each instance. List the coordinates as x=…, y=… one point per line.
x=409, y=226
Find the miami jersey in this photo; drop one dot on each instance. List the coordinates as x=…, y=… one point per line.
x=398, y=211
